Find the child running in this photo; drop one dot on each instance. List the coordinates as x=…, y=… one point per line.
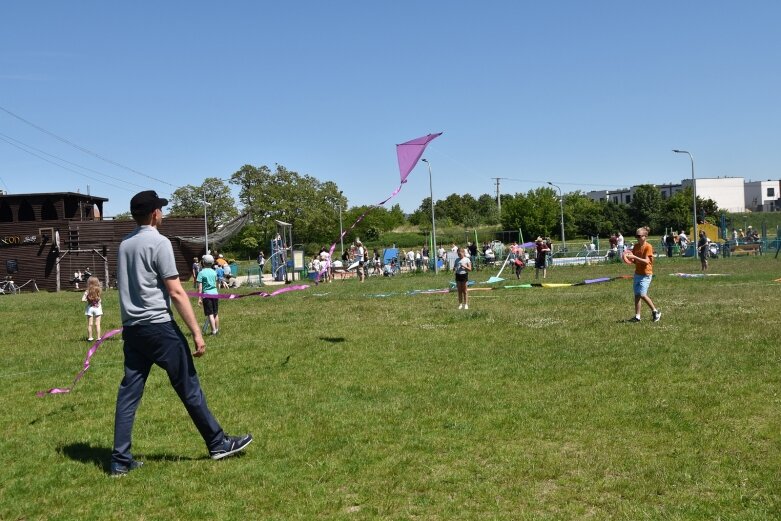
x=94, y=307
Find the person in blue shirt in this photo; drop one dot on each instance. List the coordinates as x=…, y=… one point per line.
x=208, y=281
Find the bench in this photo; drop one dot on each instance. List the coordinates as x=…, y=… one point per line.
x=754, y=248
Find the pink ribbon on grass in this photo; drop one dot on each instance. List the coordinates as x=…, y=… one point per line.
x=94, y=347
x=234, y=296
x=90, y=352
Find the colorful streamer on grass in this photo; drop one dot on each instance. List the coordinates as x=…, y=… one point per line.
x=94, y=347
x=90, y=353
x=697, y=275
x=551, y=285
x=234, y=296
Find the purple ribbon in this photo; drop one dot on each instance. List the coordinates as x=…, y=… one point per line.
x=94, y=348
x=90, y=352
x=233, y=296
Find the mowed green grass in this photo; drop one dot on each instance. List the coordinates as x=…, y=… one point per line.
x=533, y=404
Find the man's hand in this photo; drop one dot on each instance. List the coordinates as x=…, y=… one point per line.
x=200, y=345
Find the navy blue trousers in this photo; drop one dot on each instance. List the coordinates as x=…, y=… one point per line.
x=163, y=345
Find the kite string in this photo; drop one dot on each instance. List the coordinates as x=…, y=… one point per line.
x=331, y=250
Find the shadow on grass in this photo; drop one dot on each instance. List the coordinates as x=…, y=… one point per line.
x=61, y=410
x=101, y=456
x=333, y=339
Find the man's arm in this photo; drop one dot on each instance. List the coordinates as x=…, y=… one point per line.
x=182, y=304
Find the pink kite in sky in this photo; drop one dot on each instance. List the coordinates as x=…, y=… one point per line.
x=409, y=153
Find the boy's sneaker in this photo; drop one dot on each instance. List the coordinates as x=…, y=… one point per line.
x=118, y=469
x=230, y=446
x=460, y=306
x=633, y=319
x=466, y=306
x=657, y=315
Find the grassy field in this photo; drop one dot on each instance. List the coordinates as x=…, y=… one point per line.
x=533, y=404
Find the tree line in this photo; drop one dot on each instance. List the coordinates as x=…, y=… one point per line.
x=314, y=209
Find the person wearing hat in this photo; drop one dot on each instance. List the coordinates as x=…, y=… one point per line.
x=207, y=284
x=148, y=281
x=540, y=258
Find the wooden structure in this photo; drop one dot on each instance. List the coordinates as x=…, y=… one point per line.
x=36, y=230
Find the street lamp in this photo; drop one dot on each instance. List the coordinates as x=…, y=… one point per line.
x=694, y=198
x=433, y=222
x=205, y=224
x=561, y=204
x=341, y=231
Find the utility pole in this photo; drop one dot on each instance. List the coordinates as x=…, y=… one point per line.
x=498, y=194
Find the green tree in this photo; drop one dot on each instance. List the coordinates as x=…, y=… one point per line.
x=678, y=210
x=487, y=209
x=617, y=217
x=536, y=213
x=452, y=207
x=124, y=216
x=646, y=207
x=585, y=217
x=312, y=207
x=188, y=201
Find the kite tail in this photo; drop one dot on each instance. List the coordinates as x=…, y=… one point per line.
x=90, y=352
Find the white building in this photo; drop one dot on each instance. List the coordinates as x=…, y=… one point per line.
x=763, y=196
x=618, y=196
x=726, y=192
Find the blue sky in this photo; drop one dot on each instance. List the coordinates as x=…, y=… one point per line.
x=586, y=94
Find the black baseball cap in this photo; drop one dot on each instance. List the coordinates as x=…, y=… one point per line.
x=144, y=203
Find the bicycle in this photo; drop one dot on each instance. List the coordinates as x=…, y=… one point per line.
x=8, y=287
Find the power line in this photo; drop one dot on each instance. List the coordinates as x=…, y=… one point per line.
x=61, y=166
x=64, y=160
x=79, y=147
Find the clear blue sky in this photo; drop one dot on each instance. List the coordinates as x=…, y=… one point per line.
x=587, y=94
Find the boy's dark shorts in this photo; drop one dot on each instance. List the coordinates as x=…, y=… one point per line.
x=210, y=306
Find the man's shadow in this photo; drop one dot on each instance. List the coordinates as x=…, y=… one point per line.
x=101, y=456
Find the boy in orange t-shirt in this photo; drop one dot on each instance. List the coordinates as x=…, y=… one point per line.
x=642, y=255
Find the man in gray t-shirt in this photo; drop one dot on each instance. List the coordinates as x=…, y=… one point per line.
x=148, y=282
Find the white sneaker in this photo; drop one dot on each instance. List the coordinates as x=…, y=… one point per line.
x=466, y=306
x=460, y=306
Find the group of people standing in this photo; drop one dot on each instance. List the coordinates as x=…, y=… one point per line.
x=672, y=239
x=221, y=267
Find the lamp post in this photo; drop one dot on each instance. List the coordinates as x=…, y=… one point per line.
x=696, y=237
x=433, y=222
x=205, y=224
x=561, y=204
x=341, y=231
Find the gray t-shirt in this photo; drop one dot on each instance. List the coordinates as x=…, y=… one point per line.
x=144, y=260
